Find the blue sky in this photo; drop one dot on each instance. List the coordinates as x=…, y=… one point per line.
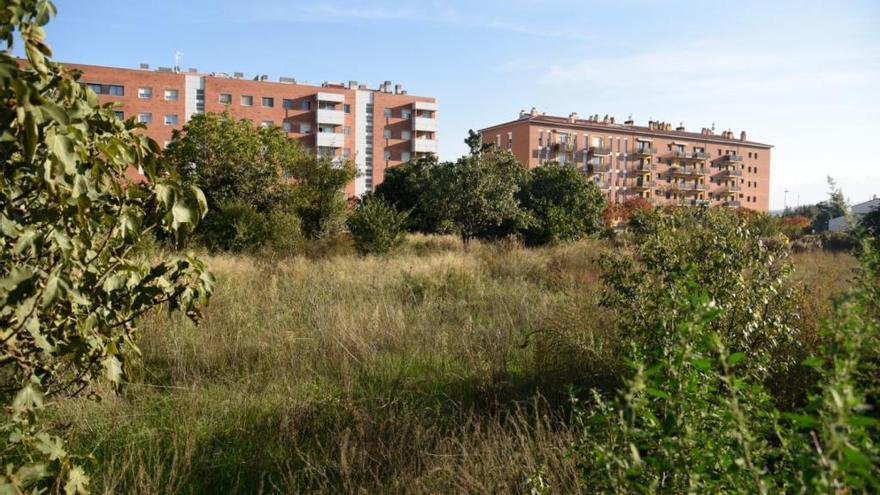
x=800, y=75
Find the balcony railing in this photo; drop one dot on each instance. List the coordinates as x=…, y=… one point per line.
x=645, y=168
x=732, y=204
x=645, y=184
x=599, y=168
x=422, y=145
x=731, y=157
x=425, y=124
x=644, y=151
x=732, y=172
x=326, y=116
x=599, y=150
x=330, y=139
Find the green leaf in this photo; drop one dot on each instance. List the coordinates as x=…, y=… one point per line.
x=813, y=362
x=51, y=446
x=77, y=482
x=62, y=147
x=182, y=213
x=29, y=397
x=112, y=369
x=658, y=393
x=703, y=364
x=736, y=357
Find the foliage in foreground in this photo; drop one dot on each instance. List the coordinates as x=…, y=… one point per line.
x=71, y=289
x=377, y=227
x=695, y=414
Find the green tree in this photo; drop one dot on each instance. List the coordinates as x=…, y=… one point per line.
x=835, y=206
x=377, y=227
x=478, y=191
x=319, y=197
x=234, y=162
x=408, y=187
x=562, y=202
x=70, y=286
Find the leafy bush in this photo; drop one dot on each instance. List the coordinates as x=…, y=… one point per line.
x=563, y=204
x=71, y=289
x=377, y=226
x=235, y=227
x=694, y=417
x=839, y=241
x=744, y=274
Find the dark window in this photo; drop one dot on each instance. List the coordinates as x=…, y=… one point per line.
x=268, y=101
x=288, y=104
x=119, y=114
x=346, y=108
x=107, y=89
x=225, y=98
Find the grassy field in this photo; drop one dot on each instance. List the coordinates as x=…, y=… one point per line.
x=432, y=371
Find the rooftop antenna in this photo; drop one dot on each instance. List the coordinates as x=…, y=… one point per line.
x=713, y=126
x=177, y=55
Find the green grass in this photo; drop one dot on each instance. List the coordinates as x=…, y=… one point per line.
x=432, y=371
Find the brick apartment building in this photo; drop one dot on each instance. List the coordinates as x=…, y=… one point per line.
x=663, y=164
x=375, y=128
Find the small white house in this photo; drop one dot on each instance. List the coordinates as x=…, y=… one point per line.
x=840, y=224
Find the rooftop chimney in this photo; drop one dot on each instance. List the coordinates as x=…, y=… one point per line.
x=742, y=136
x=352, y=84
x=680, y=127
x=572, y=117
x=397, y=89
x=533, y=111
x=611, y=120
x=238, y=75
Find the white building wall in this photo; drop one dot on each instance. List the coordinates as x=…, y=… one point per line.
x=193, y=85
x=361, y=99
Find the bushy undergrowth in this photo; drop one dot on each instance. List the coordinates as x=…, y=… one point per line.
x=436, y=370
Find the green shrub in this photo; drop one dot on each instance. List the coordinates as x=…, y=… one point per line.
x=563, y=204
x=377, y=227
x=285, y=233
x=235, y=227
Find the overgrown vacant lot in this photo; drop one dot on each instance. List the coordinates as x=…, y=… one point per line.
x=435, y=370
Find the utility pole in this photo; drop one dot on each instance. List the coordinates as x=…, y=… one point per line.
x=784, y=201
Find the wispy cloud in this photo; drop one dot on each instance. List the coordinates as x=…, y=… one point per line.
x=430, y=13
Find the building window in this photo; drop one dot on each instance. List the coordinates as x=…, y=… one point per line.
x=305, y=128
x=288, y=104
x=287, y=127
x=145, y=118
x=405, y=114
x=387, y=134
x=107, y=89
x=756, y=155
x=498, y=140
x=268, y=101
x=346, y=153
x=247, y=100
x=405, y=156
x=225, y=98
x=387, y=113
x=305, y=105
x=119, y=114
x=171, y=94
x=346, y=131
x=387, y=154
x=145, y=93
x=266, y=123
x=405, y=135
x=346, y=108
x=509, y=140
x=171, y=119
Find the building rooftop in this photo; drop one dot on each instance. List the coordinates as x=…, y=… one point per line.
x=654, y=128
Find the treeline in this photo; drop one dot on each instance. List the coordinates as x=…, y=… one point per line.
x=265, y=193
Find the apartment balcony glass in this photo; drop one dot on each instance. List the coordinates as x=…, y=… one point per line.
x=425, y=105
x=732, y=203
x=330, y=139
x=731, y=157
x=732, y=172
x=425, y=124
x=645, y=184
x=333, y=97
x=326, y=116
x=644, y=151
x=422, y=145
x=600, y=150
x=598, y=168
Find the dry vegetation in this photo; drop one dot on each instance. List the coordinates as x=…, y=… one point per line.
x=431, y=371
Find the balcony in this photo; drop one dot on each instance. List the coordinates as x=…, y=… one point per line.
x=602, y=184
x=335, y=117
x=701, y=155
x=599, y=151
x=732, y=172
x=645, y=184
x=732, y=188
x=732, y=204
x=598, y=168
x=425, y=124
x=644, y=151
x=646, y=168
x=425, y=105
x=701, y=187
x=422, y=145
x=731, y=158
x=331, y=97
x=330, y=139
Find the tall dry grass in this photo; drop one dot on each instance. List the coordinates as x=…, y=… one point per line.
x=431, y=371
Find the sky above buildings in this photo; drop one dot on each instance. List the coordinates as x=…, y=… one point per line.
x=801, y=75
